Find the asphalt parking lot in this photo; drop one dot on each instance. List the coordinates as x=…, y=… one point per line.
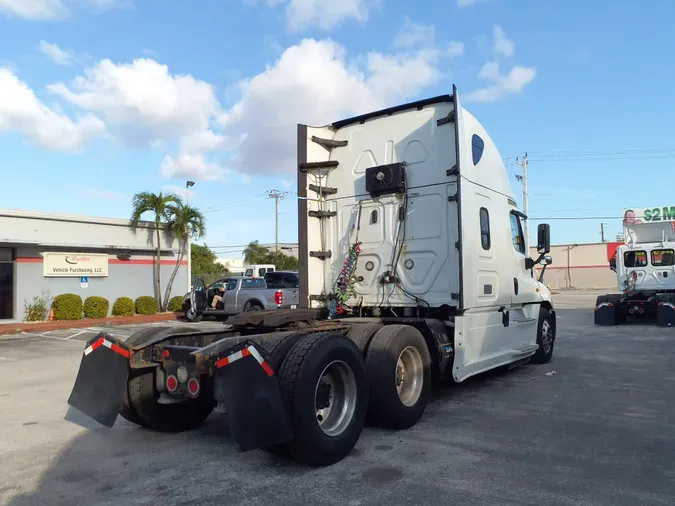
x=601, y=430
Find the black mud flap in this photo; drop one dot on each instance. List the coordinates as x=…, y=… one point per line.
x=605, y=315
x=99, y=387
x=248, y=387
x=665, y=315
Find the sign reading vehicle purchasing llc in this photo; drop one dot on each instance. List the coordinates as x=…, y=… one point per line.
x=74, y=264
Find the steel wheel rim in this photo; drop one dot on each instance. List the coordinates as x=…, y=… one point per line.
x=335, y=397
x=190, y=313
x=546, y=336
x=409, y=376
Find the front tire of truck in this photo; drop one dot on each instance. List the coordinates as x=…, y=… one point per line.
x=325, y=389
x=545, y=338
x=399, y=372
x=192, y=315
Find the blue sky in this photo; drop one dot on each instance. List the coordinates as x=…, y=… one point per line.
x=103, y=98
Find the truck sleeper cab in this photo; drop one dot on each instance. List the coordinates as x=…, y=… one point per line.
x=413, y=267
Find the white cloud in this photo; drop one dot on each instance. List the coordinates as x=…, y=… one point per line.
x=55, y=53
x=314, y=83
x=468, y=3
x=203, y=141
x=181, y=191
x=99, y=194
x=192, y=166
x=148, y=52
x=503, y=45
x=21, y=111
x=453, y=48
x=286, y=183
x=414, y=35
x=34, y=9
x=146, y=102
x=511, y=83
x=323, y=14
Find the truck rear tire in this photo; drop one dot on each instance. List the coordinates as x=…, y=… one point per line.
x=325, y=389
x=178, y=417
x=545, y=338
x=399, y=372
x=248, y=307
x=362, y=333
x=127, y=410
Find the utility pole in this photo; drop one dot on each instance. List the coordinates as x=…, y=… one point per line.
x=276, y=195
x=602, y=232
x=188, y=185
x=523, y=179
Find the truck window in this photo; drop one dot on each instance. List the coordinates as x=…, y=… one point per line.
x=517, y=234
x=477, y=147
x=635, y=258
x=663, y=257
x=484, y=228
x=232, y=284
x=248, y=273
x=291, y=281
x=253, y=283
x=274, y=280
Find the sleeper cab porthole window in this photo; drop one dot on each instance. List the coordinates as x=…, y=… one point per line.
x=477, y=147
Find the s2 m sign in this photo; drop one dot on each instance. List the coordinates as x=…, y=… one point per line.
x=648, y=214
x=74, y=264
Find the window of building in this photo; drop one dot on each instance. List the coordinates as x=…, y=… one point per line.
x=484, y=228
x=477, y=147
x=635, y=258
x=663, y=257
x=517, y=234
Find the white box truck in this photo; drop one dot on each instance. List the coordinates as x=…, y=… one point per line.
x=645, y=270
x=413, y=268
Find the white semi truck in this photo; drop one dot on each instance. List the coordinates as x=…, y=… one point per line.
x=413, y=268
x=645, y=270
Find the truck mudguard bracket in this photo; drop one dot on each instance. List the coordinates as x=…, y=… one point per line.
x=453, y=171
x=665, y=314
x=605, y=314
x=328, y=143
x=321, y=214
x=247, y=386
x=324, y=190
x=321, y=255
x=328, y=164
x=101, y=380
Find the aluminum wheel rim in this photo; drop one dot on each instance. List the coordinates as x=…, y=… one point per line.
x=335, y=398
x=546, y=336
x=409, y=376
x=190, y=313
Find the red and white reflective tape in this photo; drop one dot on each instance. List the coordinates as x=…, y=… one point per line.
x=104, y=342
x=246, y=352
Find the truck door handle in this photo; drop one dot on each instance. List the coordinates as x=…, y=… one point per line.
x=515, y=286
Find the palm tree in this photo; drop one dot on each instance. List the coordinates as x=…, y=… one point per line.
x=161, y=205
x=185, y=222
x=256, y=254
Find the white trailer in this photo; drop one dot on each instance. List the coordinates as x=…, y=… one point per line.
x=645, y=270
x=413, y=268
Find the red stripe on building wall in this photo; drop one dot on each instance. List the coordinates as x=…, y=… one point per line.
x=111, y=261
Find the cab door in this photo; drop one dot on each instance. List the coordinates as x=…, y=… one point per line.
x=198, y=295
x=523, y=311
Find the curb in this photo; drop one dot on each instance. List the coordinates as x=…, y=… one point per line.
x=13, y=328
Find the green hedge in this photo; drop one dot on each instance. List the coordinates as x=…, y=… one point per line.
x=67, y=306
x=123, y=306
x=176, y=303
x=96, y=307
x=146, y=305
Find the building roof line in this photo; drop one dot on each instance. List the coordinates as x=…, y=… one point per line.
x=74, y=218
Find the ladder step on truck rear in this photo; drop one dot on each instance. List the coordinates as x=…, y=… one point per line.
x=413, y=268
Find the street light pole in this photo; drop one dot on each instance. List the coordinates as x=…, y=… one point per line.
x=188, y=185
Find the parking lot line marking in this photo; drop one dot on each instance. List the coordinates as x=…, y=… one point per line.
x=50, y=337
x=76, y=334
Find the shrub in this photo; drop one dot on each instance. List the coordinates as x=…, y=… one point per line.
x=38, y=310
x=146, y=305
x=176, y=303
x=67, y=306
x=123, y=306
x=96, y=307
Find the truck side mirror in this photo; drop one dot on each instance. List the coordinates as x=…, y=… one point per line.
x=543, y=238
x=612, y=264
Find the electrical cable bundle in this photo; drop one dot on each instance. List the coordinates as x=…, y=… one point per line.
x=344, y=284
